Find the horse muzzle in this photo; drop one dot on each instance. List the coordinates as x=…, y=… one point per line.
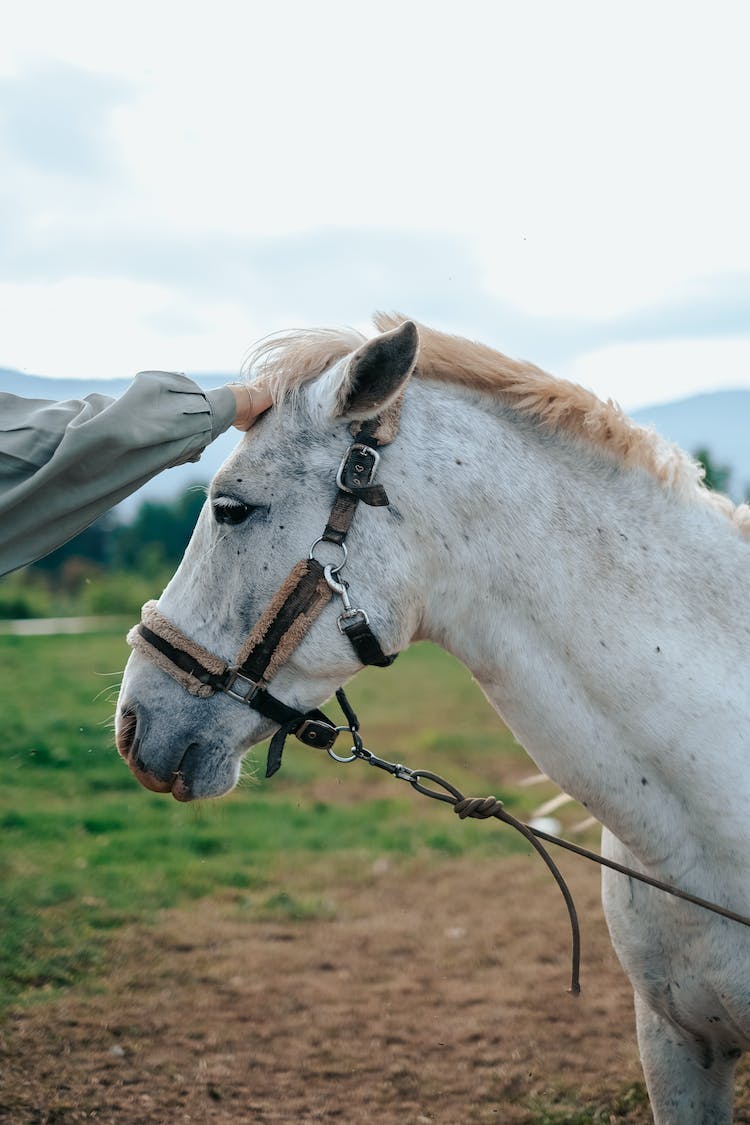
x=187, y=772
x=128, y=746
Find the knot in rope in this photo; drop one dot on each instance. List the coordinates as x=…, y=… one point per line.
x=479, y=807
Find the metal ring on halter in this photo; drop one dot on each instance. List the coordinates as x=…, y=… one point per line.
x=339, y=588
x=341, y=546
x=339, y=757
x=354, y=753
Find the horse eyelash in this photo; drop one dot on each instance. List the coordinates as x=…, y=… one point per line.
x=229, y=511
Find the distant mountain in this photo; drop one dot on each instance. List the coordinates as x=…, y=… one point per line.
x=719, y=422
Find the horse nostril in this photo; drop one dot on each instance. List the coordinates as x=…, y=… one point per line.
x=125, y=734
x=129, y=746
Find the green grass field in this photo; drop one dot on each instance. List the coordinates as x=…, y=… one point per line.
x=84, y=850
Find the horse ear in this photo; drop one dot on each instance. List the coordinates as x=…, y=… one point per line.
x=377, y=372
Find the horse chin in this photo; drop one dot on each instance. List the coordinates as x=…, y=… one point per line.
x=202, y=777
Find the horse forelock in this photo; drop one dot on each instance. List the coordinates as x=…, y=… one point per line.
x=288, y=360
x=291, y=359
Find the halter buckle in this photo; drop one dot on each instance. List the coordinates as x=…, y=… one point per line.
x=313, y=732
x=358, y=467
x=246, y=692
x=348, y=618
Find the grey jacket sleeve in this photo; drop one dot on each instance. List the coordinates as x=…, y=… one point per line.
x=62, y=464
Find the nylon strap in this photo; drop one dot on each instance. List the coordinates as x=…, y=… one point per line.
x=284, y=622
x=366, y=644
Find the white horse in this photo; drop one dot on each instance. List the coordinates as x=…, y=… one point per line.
x=576, y=564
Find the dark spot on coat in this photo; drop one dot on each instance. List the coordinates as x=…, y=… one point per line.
x=644, y=781
x=658, y=649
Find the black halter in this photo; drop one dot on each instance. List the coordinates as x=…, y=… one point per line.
x=285, y=622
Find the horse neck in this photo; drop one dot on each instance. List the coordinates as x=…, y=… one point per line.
x=602, y=618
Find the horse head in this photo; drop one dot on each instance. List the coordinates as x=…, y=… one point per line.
x=266, y=510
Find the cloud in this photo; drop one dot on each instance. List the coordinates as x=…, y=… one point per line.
x=659, y=370
x=55, y=120
x=61, y=168
x=329, y=274
x=87, y=223
x=205, y=299
x=199, y=300
x=716, y=308
x=335, y=275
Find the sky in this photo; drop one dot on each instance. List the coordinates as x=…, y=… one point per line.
x=569, y=183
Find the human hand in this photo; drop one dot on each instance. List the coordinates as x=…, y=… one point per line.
x=252, y=400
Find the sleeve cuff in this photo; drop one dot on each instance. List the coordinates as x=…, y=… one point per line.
x=223, y=410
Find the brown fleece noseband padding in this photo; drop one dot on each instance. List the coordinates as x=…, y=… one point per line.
x=162, y=627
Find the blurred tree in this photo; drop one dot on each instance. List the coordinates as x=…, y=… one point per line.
x=159, y=533
x=111, y=567
x=154, y=538
x=717, y=476
x=93, y=544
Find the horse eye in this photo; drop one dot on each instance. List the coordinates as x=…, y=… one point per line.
x=227, y=510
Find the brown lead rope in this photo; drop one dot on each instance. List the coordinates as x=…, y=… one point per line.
x=483, y=808
x=480, y=807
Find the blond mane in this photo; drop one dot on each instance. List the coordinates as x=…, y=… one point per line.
x=289, y=360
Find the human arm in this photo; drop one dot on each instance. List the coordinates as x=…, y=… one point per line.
x=62, y=464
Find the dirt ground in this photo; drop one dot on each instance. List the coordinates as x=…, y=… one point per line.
x=420, y=992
